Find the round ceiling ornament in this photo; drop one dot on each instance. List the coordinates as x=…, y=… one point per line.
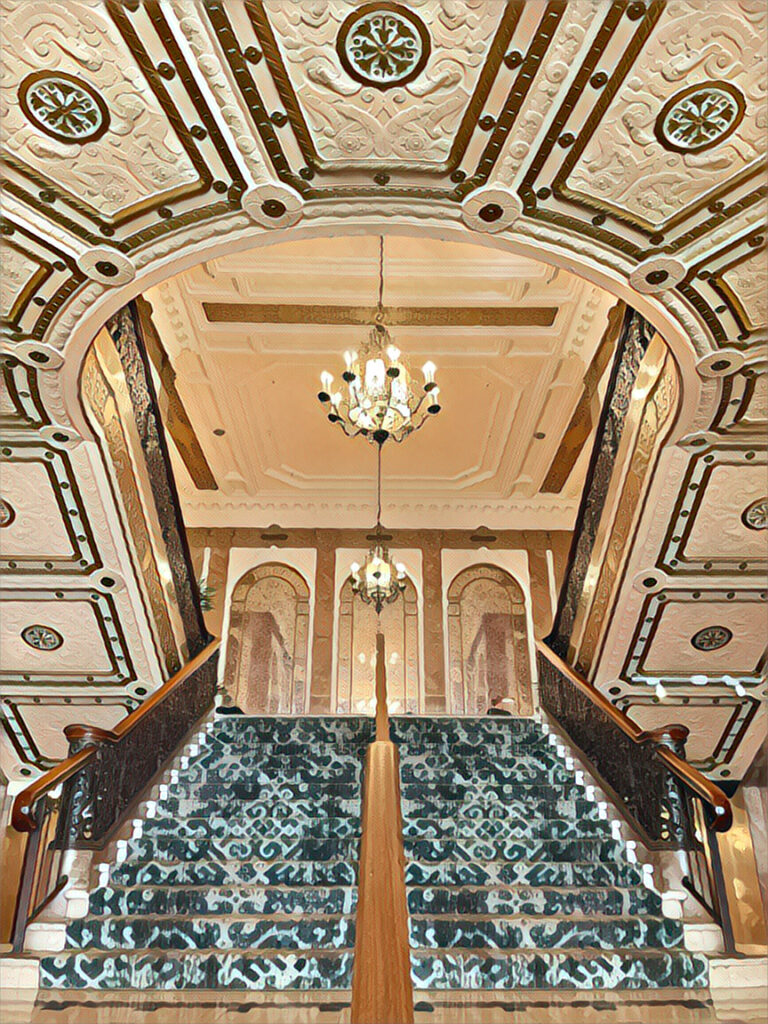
x=42, y=638
x=711, y=638
x=383, y=45
x=64, y=106
x=755, y=516
x=700, y=117
x=7, y=513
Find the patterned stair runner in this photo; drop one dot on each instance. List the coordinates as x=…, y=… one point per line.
x=245, y=878
x=513, y=879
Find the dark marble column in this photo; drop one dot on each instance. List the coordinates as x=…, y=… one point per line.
x=322, y=647
x=434, y=648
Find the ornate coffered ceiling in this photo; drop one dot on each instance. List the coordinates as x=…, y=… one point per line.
x=622, y=141
x=249, y=334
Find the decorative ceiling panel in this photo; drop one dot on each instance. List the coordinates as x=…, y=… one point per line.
x=70, y=636
x=709, y=632
x=49, y=531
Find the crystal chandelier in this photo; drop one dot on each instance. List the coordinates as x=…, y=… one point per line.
x=379, y=580
x=379, y=398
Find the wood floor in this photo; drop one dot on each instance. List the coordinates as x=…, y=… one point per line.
x=668, y=1007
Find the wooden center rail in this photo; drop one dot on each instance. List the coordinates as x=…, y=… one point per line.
x=382, y=991
x=707, y=791
x=23, y=815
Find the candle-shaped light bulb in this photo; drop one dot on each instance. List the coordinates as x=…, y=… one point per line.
x=348, y=358
x=336, y=399
x=393, y=353
x=428, y=369
x=400, y=569
x=355, y=569
x=326, y=379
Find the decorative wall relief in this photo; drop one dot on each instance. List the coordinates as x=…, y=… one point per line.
x=356, y=667
x=268, y=643
x=488, y=641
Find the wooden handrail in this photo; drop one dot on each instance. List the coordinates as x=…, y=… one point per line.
x=22, y=816
x=706, y=790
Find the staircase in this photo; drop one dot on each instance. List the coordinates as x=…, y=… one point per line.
x=245, y=877
x=514, y=881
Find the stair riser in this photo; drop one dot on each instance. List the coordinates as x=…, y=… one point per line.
x=148, y=934
x=229, y=794
x=238, y=773
x=555, y=971
x=497, y=829
x=537, y=875
x=486, y=777
x=245, y=828
x=201, y=971
x=317, y=807
x=504, y=902
x=446, y=795
x=166, y=848
x=476, y=808
x=243, y=873
x=242, y=902
x=447, y=933
x=568, y=850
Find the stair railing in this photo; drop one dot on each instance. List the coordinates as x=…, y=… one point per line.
x=670, y=803
x=80, y=802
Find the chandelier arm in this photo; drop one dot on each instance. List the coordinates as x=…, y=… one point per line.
x=381, y=272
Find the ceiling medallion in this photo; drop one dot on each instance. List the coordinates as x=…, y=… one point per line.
x=383, y=45
x=711, y=638
x=42, y=638
x=381, y=400
x=7, y=513
x=754, y=516
x=63, y=106
x=699, y=117
x=379, y=580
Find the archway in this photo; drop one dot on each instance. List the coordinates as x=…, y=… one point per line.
x=487, y=641
x=356, y=645
x=268, y=642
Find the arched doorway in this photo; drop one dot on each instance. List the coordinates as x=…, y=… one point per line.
x=266, y=671
x=356, y=645
x=487, y=641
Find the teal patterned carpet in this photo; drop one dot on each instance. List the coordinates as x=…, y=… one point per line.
x=514, y=882
x=246, y=876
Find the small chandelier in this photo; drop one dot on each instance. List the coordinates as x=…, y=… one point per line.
x=379, y=580
x=380, y=399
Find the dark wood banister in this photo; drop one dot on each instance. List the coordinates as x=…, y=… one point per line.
x=706, y=790
x=22, y=817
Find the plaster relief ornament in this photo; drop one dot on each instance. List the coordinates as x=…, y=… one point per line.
x=755, y=516
x=42, y=638
x=64, y=107
x=7, y=513
x=711, y=638
x=383, y=45
x=700, y=117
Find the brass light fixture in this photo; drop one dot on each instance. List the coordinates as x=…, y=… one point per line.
x=379, y=580
x=378, y=398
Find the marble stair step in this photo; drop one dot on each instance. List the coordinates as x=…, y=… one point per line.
x=472, y=806
x=464, y=775
x=534, y=874
x=244, y=901
x=464, y=828
x=306, y=808
x=236, y=873
x=565, y=850
x=420, y=728
x=451, y=792
x=275, y=757
x=347, y=730
x=223, y=775
x=509, y=900
x=246, y=827
x=170, y=848
x=198, y=969
x=562, y=969
x=249, y=790
x=220, y=932
x=529, y=932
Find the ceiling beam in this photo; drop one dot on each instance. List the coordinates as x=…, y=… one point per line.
x=395, y=316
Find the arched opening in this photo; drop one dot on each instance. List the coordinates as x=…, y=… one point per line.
x=488, y=642
x=268, y=641
x=358, y=624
